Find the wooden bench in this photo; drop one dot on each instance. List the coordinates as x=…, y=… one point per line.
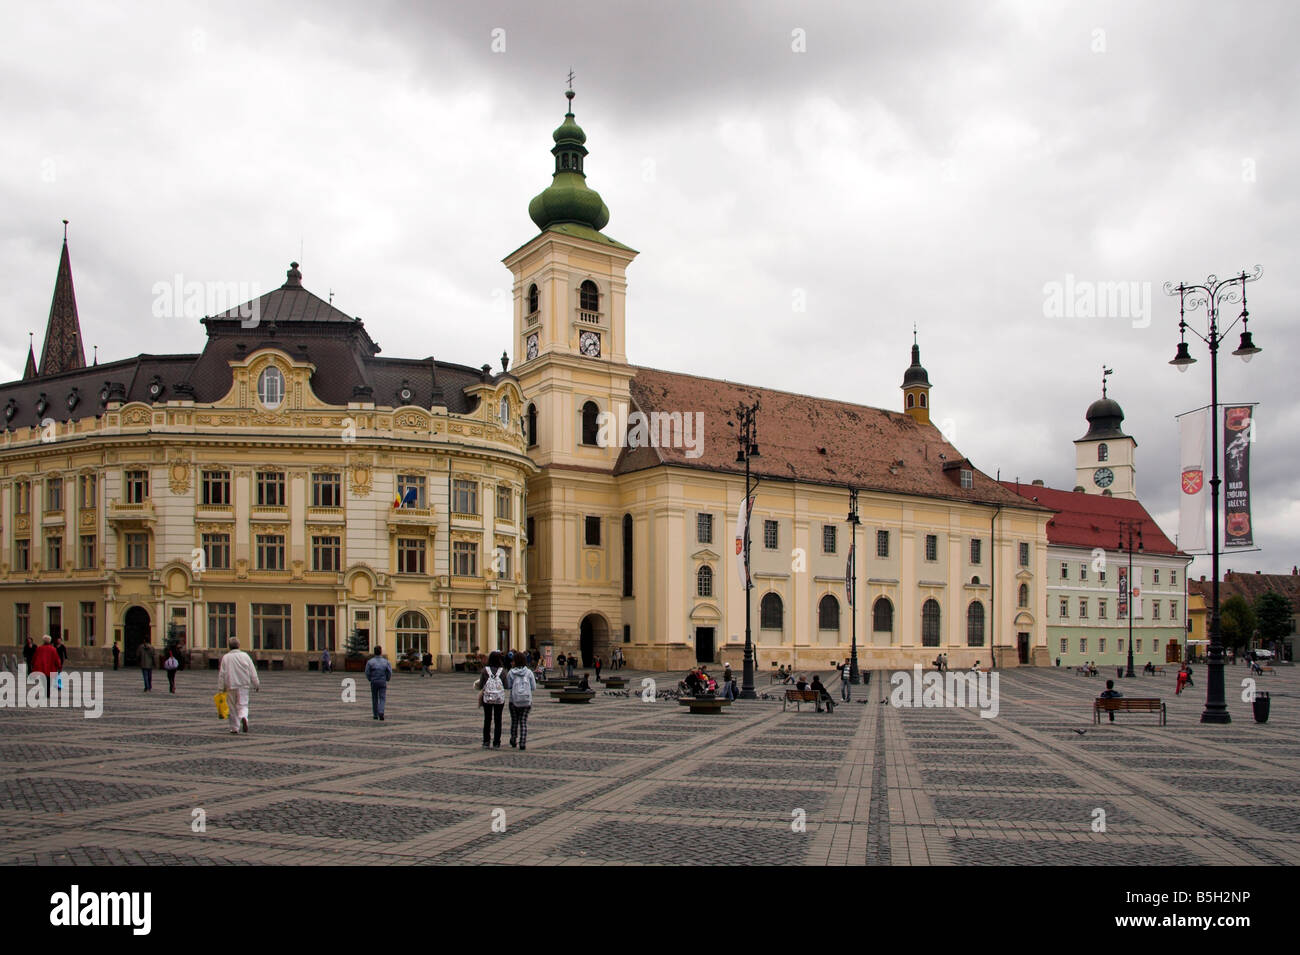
x=798, y=698
x=704, y=704
x=1127, y=705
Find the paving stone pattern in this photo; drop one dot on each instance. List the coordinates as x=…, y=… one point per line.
x=623, y=782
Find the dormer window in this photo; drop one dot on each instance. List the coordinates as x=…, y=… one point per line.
x=270, y=388
x=404, y=393
x=41, y=404
x=155, y=388
x=967, y=479
x=1103, y=452
x=588, y=297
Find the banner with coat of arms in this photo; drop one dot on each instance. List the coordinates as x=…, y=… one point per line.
x=1238, y=428
x=1191, y=512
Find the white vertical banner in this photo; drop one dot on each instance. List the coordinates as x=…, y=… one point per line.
x=1191, y=457
x=742, y=522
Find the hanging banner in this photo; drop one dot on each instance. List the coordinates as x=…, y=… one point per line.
x=850, y=575
x=1123, y=593
x=1137, y=598
x=742, y=523
x=1237, y=430
x=1191, y=513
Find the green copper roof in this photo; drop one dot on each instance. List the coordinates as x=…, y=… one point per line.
x=568, y=200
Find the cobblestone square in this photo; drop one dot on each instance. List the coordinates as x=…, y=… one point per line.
x=621, y=781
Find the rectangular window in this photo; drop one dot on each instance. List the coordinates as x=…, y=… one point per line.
x=704, y=528
x=54, y=552
x=1155, y=576
x=1024, y=555
x=464, y=631
x=136, y=485
x=967, y=479
x=215, y=488
x=54, y=621
x=1065, y=570
x=931, y=547
x=88, y=489
x=975, y=547
x=326, y=553
x=1155, y=610
x=769, y=535
x=22, y=622
x=501, y=562
x=216, y=551
x=1101, y=609
x=221, y=624
x=464, y=558
x=1083, y=644
x=828, y=538
x=87, y=624
x=410, y=490
x=1101, y=575
x=591, y=531
x=1101, y=644
x=1138, y=645
x=505, y=512
x=627, y=633
x=530, y=531
x=1173, y=610
x=272, y=626
x=54, y=494
x=270, y=552
x=1065, y=607
x=1065, y=645
x=1083, y=571
x=1173, y=578
x=882, y=543
x=137, y=551
x=464, y=496
x=88, y=551
x=23, y=497
x=22, y=555
x=410, y=555
x=326, y=489
x=320, y=627
x=270, y=489
x=1083, y=608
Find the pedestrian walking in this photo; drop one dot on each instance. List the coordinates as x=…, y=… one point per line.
x=146, y=664
x=326, y=664
x=238, y=673
x=492, y=697
x=63, y=651
x=846, y=674
x=598, y=669
x=521, y=683
x=29, y=651
x=560, y=662
x=378, y=671
x=117, y=654
x=171, y=663
x=46, y=660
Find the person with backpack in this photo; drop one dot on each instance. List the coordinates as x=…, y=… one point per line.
x=492, y=697
x=171, y=664
x=521, y=683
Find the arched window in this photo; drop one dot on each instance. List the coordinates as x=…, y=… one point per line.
x=270, y=387
x=828, y=613
x=504, y=411
x=704, y=581
x=975, y=624
x=627, y=555
x=532, y=299
x=532, y=426
x=1103, y=452
x=923, y=399
x=590, y=425
x=930, y=623
x=882, y=616
x=911, y=400
x=588, y=297
x=771, y=613
x=412, y=632
x=1024, y=595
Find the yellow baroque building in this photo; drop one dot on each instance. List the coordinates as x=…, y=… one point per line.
x=286, y=485
x=638, y=485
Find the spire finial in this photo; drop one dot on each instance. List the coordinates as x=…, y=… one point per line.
x=1105, y=373
x=65, y=231
x=914, y=333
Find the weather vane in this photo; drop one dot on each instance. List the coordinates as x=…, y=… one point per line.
x=1105, y=373
x=570, y=78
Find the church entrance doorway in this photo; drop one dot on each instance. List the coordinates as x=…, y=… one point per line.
x=1022, y=645
x=704, y=645
x=136, y=627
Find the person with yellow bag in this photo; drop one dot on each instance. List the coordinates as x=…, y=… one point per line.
x=237, y=674
x=223, y=710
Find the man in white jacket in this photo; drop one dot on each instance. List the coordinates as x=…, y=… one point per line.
x=238, y=672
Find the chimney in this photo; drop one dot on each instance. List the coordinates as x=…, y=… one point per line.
x=1038, y=482
x=1257, y=572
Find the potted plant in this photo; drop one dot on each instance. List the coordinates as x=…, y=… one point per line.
x=357, y=645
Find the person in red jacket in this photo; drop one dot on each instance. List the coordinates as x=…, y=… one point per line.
x=46, y=660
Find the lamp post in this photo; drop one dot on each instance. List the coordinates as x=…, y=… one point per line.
x=854, y=521
x=1213, y=295
x=747, y=438
x=1127, y=531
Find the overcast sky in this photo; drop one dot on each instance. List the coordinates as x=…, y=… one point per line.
x=803, y=182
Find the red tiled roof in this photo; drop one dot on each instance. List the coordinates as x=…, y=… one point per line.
x=1252, y=586
x=813, y=440
x=1092, y=520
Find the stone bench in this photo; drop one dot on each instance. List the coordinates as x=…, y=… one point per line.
x=572, y=695
x=704, y=704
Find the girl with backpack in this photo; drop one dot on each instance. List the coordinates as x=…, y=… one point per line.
x=521, y=683
x=492, y=697
x=171, y=665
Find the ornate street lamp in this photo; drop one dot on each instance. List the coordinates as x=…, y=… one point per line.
x=854, y=521
x=1214, y=294
x=747, y=439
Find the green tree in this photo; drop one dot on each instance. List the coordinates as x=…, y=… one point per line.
x=1273, y=612
x=1236, y=621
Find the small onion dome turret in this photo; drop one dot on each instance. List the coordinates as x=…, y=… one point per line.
x=1105, y=419
x=567, y=198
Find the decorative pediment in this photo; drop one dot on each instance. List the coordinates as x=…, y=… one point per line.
x=705, y=555
x=705, y=611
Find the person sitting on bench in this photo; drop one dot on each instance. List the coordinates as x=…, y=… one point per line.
x=822, y=694
x=1149, y=668
x=1110, y=693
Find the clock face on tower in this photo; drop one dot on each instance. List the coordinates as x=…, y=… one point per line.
x=531, y=348
x=1103, y=477
x=589, y=344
